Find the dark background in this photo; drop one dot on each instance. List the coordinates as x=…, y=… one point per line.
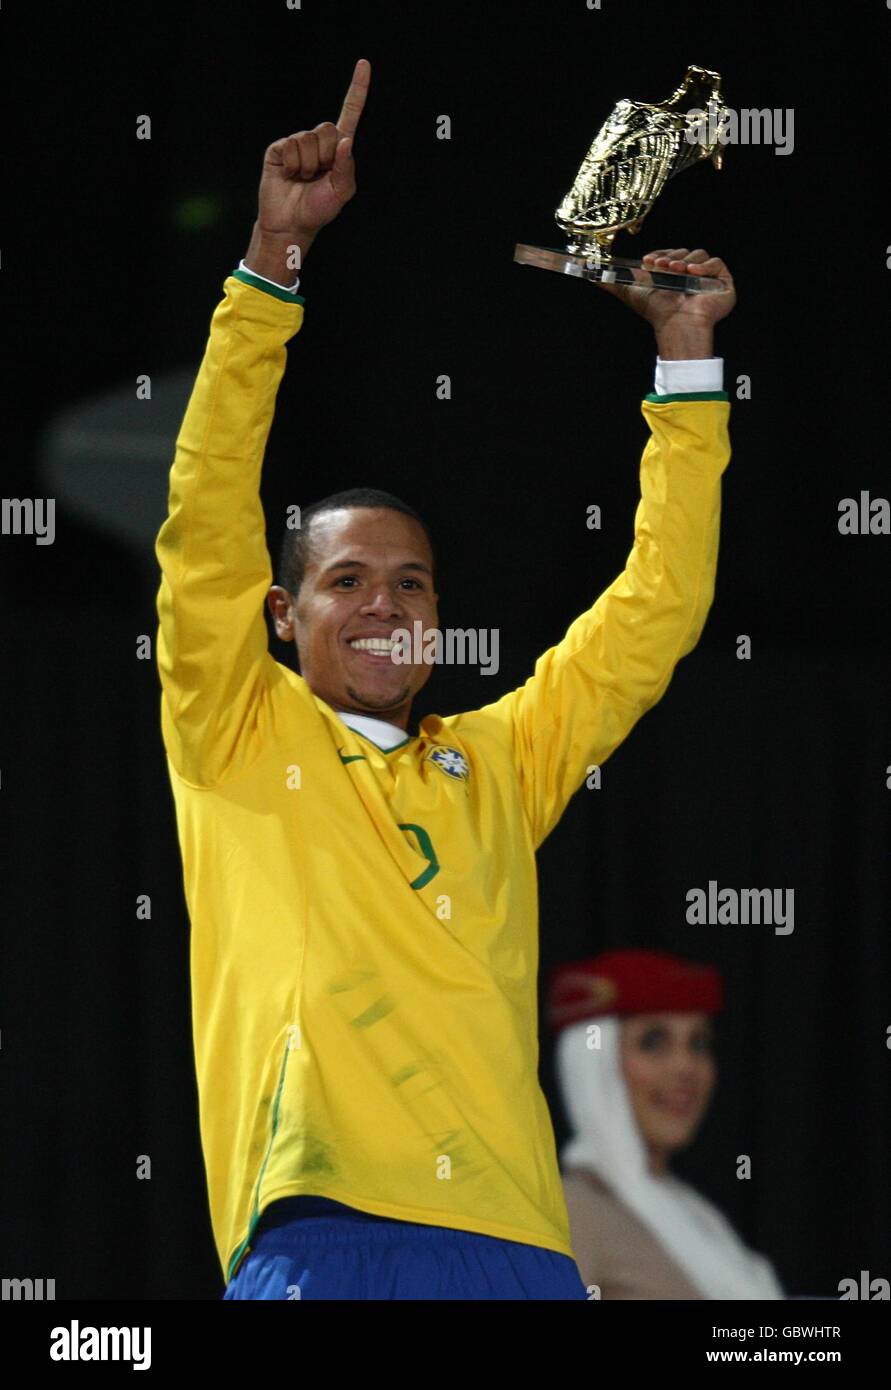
x=769, y=772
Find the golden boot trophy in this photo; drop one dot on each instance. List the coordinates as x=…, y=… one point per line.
x=637, y=150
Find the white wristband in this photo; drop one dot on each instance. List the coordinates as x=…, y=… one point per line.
x=693, y=374
x=292, y=289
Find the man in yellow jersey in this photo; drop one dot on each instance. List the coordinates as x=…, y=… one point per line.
x=364, y=902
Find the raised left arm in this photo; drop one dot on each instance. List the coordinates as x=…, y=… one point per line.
x=616, y=660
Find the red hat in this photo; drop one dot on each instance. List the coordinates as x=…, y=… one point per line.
x=631, y=982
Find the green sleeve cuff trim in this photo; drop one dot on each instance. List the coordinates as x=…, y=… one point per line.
x=276, y=291
x=687, y=396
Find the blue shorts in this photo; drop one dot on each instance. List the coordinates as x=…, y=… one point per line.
x=310, y=1247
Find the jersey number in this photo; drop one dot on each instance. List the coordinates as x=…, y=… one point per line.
x=425, y=844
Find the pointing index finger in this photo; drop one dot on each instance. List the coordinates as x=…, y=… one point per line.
x=354, y=100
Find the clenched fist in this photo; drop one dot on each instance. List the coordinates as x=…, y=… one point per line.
x=307, y=178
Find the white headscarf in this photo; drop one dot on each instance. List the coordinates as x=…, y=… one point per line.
x=607, y=1142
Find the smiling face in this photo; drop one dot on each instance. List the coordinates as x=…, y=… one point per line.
x=369, y=572
x=670, y=1073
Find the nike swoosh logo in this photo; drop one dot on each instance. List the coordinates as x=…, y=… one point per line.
x=353, y=757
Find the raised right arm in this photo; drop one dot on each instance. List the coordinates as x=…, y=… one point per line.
x=215, y=567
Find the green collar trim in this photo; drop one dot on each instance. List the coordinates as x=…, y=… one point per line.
x=394, y=749
x=276, y=291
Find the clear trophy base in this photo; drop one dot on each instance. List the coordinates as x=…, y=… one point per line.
x=604, y=268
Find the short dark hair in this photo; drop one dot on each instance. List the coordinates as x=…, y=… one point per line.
x=294, y=555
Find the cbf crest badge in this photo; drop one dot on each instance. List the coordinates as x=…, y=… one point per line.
x=451, y=762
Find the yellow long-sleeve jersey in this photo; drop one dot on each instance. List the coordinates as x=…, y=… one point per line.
x=364, y=923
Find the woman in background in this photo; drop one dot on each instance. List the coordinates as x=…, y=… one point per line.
x=636, y=1071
